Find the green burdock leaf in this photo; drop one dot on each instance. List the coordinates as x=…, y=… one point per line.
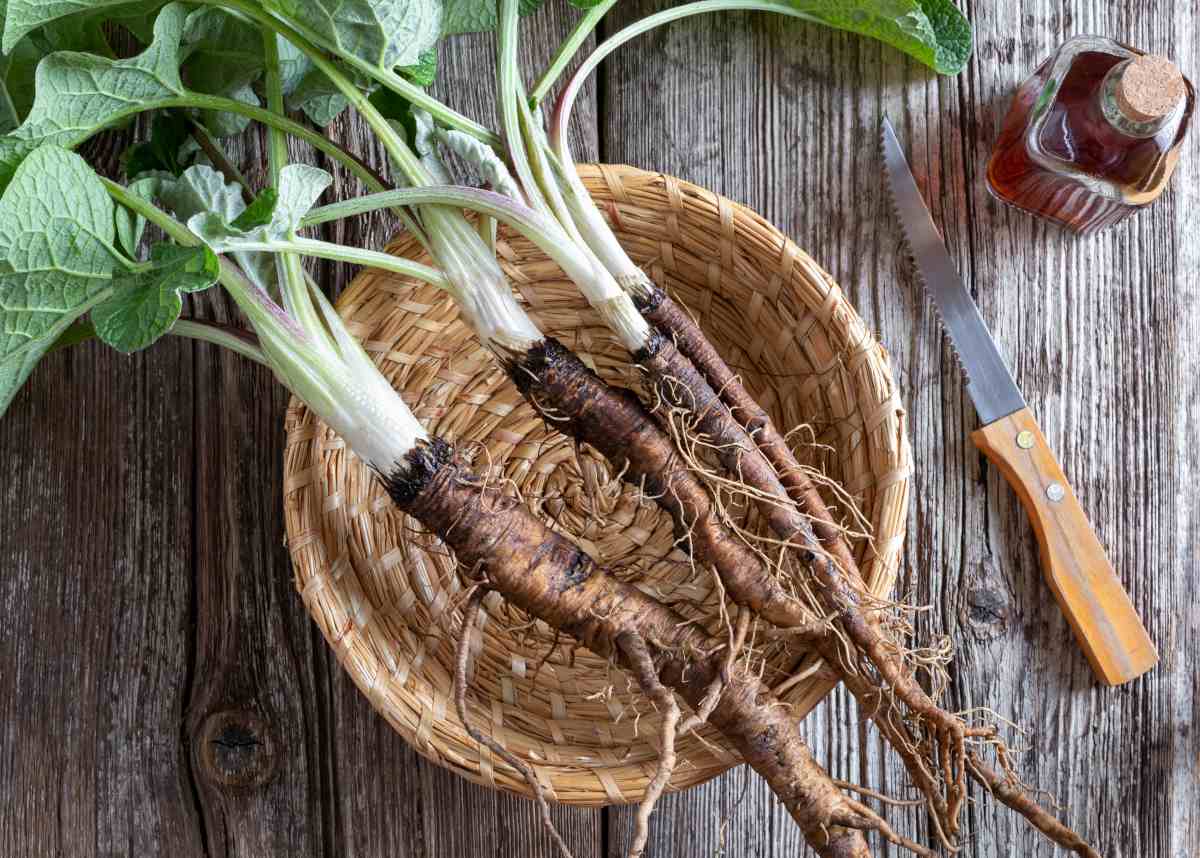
x=933, y=31
x=78, y=94
x=201, y=189
x=294, y=64
x=144, y=305
x=56, y=257
x=259, y=212
x=225, y=57
x=385, y=33
x=423, y=71
x=25, y=16
x=316, y=95
x=224, y=53
x=221, y=123
x=476, y=16
x=300, y=186
x=168, y=132
x=18, y=67
x=130, y=225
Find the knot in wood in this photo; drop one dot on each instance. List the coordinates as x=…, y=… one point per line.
x=987, y=612
x=235, y=749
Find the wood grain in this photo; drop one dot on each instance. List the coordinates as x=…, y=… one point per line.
x=163, y=692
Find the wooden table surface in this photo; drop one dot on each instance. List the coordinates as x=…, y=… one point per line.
x=162, y=691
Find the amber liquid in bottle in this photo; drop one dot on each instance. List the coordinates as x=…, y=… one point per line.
x=1078, y=149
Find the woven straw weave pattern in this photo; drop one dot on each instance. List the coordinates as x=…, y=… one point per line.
x=386, y=595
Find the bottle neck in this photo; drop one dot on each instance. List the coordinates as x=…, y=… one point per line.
x=1117, y=114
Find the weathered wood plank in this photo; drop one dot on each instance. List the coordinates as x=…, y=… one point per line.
x=95, y=545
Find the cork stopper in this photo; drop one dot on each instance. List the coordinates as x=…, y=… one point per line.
x=1149, y=88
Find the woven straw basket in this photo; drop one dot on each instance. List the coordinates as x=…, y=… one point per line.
x=387, y=596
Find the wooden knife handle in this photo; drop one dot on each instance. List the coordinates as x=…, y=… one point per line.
x=1079, y=572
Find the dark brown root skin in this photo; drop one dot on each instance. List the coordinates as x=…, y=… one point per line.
x=677, y=382
x=661, y=311
x=682, y=384
x=550, y=578
x=579, y=403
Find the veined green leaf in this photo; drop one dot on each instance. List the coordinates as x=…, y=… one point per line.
x=25, y=16
x=423, y=71
x=423, y=134
x=316, y=95
x=259, y=212
x=56, y=259
x=933, y=31
x=476, y=16
x=385, y=33
x=300, y=186
x=222, y=123
x=78, y=94
x=144, y=305
x=202, y=199
x=224, y=57
x=17, y=68
x=294, y=64
x=130, y=225
x=224, y=53
x=483, y=159
x=201, y=189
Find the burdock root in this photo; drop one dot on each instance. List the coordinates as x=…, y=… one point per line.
x=512, y=552
x=931, y=741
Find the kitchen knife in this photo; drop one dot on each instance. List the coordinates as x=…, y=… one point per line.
x=1079, y=572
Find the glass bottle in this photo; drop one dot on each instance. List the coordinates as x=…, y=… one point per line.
x=1093, y=135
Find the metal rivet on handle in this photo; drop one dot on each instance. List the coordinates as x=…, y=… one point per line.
x=1055, y=492
x=1025, y=439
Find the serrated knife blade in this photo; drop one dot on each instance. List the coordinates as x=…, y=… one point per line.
x=989, y=382
x=1079, y=572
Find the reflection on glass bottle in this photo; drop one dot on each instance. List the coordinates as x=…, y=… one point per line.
x=1093, y=135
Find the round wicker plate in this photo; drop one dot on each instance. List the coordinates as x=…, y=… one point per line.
x=387, y=596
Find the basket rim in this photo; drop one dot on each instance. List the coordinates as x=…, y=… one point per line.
x=433, y=737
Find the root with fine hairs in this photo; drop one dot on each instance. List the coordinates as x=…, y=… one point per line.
x=674, y=321
x=619, y=427
x=1009, y=790
x=551, y=579
x=931, y=742
x=462, y=658
x=642, y=666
